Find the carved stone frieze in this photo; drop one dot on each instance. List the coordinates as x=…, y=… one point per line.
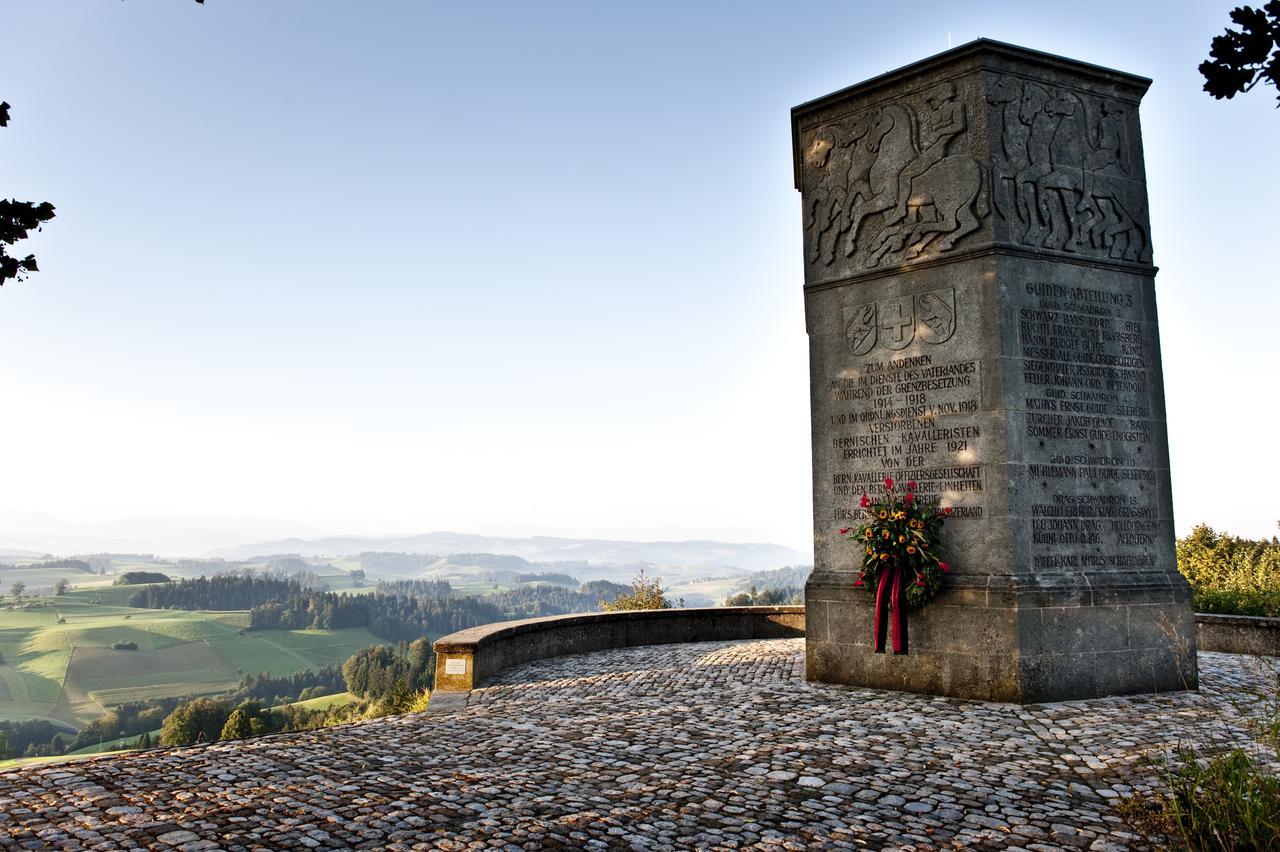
x=1063, y=175
x=893, y=183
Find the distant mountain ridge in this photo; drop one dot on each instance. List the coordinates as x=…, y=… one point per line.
x=701, y=554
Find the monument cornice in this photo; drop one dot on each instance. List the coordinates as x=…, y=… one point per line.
x=995, y=250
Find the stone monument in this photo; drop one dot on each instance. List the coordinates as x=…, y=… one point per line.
x=980, y=302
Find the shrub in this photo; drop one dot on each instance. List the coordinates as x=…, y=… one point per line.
x=125, y=646
x=137, y=578
x=1231, y=575
x=644, y=594
x=419, y=702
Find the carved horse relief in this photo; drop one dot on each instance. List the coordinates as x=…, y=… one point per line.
x=1053, y=180
x=893, y=141
x=875, y=163
x=1011, y=155
x=953, y=188
x=836, y=159
x=1060, y=179
x=821, y=201
x=1113, y=198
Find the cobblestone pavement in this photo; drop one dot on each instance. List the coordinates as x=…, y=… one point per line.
x=711, y=745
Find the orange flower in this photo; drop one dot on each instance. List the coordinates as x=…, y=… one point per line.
x=884, y=534
x=911, y=548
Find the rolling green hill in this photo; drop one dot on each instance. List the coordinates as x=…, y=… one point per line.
x=59, y=662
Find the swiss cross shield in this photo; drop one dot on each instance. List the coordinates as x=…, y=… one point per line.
x=897, y=322
x=860, y=328
x=937, y=312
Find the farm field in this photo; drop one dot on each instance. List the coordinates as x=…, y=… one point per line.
x=704, y=592
x=59, y=663
x=324, y=702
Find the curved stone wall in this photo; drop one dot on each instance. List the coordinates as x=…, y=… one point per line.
x=465, y=658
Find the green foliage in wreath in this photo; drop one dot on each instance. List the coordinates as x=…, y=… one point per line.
x=904, y=530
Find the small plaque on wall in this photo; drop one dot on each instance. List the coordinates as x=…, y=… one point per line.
x=455, y=666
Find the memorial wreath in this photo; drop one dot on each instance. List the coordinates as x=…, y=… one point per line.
x=901, y=557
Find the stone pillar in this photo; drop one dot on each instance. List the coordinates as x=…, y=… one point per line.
x=980, y=302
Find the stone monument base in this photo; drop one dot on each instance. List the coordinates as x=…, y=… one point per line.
x=1004, y=639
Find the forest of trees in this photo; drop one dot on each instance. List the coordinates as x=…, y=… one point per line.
x=398, y=617
x=1230, y=574
x=68, y=565
x=555, y=577
x=379, y=562
x=32, y=737
x=400, y=611
x=768, y=597
x=299, y=686
x=391, y=673
x=533, y=601
x=220, y=592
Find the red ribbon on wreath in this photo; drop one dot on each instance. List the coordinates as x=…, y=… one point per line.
x=889, y=602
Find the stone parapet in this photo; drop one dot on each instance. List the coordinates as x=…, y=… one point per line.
x=465, y=658
x=1238, y=634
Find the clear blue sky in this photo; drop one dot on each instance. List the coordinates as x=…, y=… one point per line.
x=522, y=267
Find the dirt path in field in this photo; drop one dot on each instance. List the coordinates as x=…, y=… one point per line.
x=74, y=705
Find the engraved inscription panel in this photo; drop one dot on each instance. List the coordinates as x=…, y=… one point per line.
x=903, y=400
x=1094, y=443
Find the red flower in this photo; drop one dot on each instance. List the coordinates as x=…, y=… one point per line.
x=888, y=483
x=911, y=486
x=907, y=499
x=946, y=568
x=844, y=530
x=866, y=501
x=946, y=511
x=919, y=582
x=858, y=582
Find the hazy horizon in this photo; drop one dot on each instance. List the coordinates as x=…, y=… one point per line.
x=193, y=537
x=337, y=269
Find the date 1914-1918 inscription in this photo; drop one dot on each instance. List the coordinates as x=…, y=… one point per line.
x=910, y=418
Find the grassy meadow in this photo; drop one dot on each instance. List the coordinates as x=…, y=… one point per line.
x=59, y=663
